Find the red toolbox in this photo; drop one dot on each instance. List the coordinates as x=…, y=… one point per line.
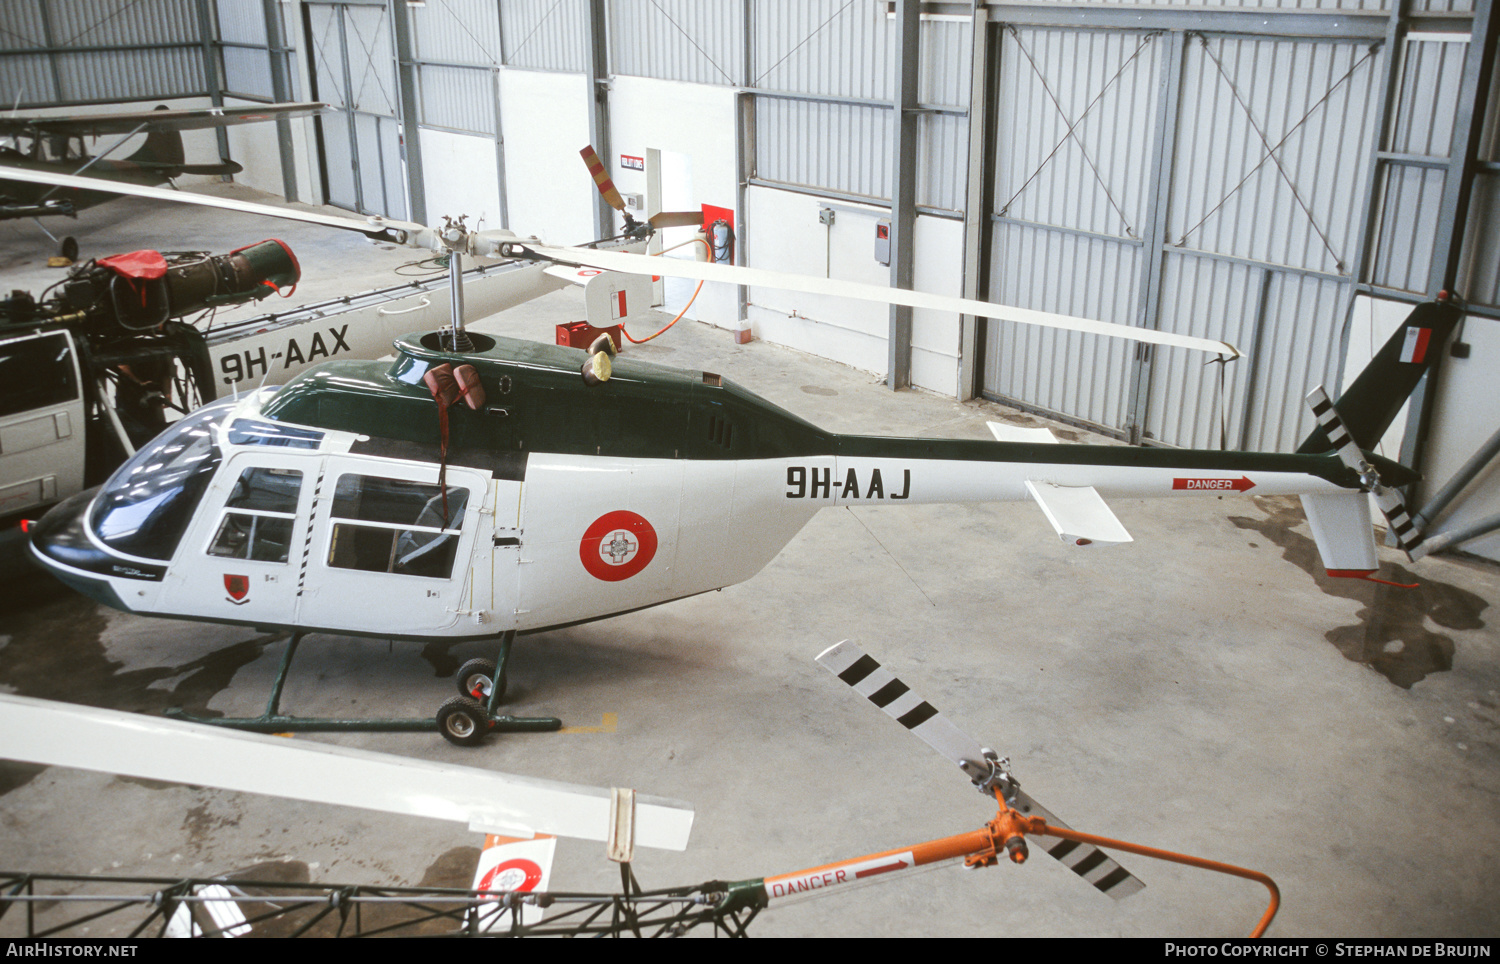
x=581, y=334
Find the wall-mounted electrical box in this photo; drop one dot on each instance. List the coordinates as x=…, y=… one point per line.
x=825, y=215
x=634, y=202
x=883, y=241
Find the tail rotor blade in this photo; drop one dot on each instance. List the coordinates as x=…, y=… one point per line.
x=675, y=219
x=863, y=674
x=1403, y=530
x=602, y=179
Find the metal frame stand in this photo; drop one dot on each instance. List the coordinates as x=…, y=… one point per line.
x=272, y=721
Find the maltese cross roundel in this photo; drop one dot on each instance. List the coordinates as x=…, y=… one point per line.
x=519, y=874
x=617, y=546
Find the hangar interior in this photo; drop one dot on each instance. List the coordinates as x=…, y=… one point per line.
x=1291, y=178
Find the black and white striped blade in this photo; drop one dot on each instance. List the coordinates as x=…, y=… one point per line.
x=1333, y=427
x=880, y=686
x=1389, y=500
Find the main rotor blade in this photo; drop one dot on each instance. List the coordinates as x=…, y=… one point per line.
x=379, y=229
x=59, y=734
x=733, y=274
x=863, y=674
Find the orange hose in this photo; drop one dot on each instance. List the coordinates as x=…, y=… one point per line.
x=642, y=341
x=1037, y=825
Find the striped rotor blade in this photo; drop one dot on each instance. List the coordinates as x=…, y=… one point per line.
x=1389, y=500
x=86, y=738
x=1394, y=510
x=874, y=682
x=880, y=686
x=602, y=179
x=1333, y=426
x=1101, y=870
x=675, y=219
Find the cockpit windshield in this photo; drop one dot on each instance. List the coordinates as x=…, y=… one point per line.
x=146, y=506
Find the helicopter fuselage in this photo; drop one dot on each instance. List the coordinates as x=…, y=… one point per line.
x=317, y=506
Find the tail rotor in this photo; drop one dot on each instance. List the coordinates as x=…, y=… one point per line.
x=983, y=766
x=662, y=219
x=1402, y=529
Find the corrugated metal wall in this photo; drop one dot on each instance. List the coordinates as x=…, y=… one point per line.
x=1262, y=172
x=1263, y=183
x=457, y=45
x=92, y=51
x=457, y=32
x=1075, y=124
x=837, y=137
x=1411, y=192
x=353, y=67
x=703, y=43
x=545, y=34
x=1481, y=278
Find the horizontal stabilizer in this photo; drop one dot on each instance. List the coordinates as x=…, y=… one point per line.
x=1078, y=514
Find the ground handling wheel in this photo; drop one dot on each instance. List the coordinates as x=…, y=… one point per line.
x=475, y=679
x=463, y=721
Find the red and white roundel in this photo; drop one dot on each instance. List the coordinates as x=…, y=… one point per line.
x=517, y=874
x=617, y=546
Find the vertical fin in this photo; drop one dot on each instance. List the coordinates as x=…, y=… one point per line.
x=1372, y=402
x=161, y=147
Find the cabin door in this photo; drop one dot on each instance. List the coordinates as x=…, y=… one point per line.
x=240, y=558
x=391, y=551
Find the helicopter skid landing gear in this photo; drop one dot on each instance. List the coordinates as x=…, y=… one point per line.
x=463, y=721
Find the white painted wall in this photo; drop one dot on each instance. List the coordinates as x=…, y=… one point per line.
x=695, y=120
x=1371, y=324
x=544, y=123
x=460, y=175
x=786, y=235
x=1466, y=413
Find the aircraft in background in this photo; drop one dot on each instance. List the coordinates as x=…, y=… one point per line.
x=55, y=144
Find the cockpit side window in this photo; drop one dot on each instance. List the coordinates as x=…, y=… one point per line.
x=258, y=516
x=395, y=526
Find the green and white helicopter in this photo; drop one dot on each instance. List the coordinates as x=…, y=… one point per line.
x=364, y=498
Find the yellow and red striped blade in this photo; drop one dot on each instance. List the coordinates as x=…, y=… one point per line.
x=601, y=179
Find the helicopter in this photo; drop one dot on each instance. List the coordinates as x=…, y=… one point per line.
x=55, y=144
x=480, y=487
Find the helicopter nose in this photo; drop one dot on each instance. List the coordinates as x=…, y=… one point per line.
x=60, y=543
x=59, y=536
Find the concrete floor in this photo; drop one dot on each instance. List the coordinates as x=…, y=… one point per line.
x=1205, y=689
